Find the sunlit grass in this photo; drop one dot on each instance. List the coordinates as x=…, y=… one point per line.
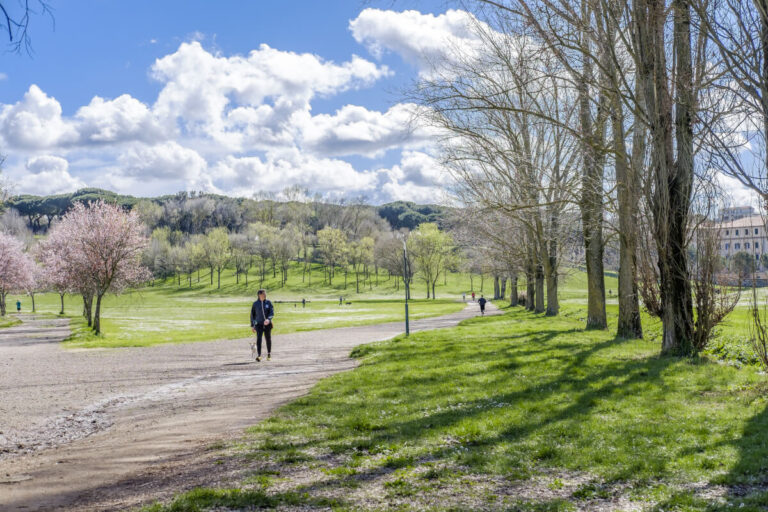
x=524, y=397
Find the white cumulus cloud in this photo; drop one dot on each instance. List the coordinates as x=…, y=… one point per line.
x=355, y=130
x=168, y=160
x=421, y=39
x=48, y=174
x=35, y=122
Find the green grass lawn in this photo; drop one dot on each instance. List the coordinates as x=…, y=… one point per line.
x=519, y=412
x=167, y=312
x=144, y=319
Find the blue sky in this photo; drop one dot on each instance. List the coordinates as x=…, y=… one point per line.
x=339, y=128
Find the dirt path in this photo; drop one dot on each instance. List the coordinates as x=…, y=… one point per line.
x=109, y=429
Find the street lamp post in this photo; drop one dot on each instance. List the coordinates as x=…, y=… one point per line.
x=406, y=281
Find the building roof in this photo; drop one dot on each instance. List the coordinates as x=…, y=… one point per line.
x=756, y=221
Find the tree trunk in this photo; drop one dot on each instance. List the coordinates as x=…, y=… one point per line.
x=530, y=287
x=32, y=297
x=591, y=201
x=471, y=283
x=628, y=184
x=218, y=277
x=677, y=316
x=434, y=296
x=88, y=308
x=671, y=180
x=539, y=289
x=496, y=287
x=97, y=316
x=553, y=304
x=2, y=303
x=513, y=290
x=211, y=275
x=61, y=296
x=503, y=291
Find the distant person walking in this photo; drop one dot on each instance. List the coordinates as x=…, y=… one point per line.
x=18, y=306
x=482, y=302
x=463, y=297
x=262, y=313
x=473, y=296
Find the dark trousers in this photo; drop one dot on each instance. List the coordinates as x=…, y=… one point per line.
x=266, y=331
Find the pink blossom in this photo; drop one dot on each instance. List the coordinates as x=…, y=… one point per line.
x=16, y=268
x=95, y=249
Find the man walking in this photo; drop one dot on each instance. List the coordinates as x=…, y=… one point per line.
x=482, y=302
x=262, y=313
x=18, y=306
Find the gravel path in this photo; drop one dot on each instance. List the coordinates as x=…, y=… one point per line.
x=108, y=429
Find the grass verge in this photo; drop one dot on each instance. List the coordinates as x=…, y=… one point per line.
x=8, y=321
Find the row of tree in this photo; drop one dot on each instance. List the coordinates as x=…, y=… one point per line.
x=94, y=250
x=570, y=122
x=269, y=249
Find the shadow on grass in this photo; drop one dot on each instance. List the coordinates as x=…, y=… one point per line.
x=538, y=396
x=746, y=483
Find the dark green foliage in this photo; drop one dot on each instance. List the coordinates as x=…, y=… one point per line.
x=198, y=212
x=42, y=210
x=404, y=214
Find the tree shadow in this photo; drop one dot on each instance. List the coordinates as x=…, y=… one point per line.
x=745, y=485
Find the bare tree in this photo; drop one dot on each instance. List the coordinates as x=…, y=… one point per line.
x=510, y=119
x=738, y=141
x=16, y=17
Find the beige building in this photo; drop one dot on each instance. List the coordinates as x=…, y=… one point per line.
x=742, y=230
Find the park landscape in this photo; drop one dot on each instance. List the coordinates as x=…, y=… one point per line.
x=594, y=169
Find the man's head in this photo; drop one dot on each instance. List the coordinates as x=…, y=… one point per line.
x=261, y=294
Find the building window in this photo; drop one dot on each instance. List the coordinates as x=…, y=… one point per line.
x=757, y=245
x=737, y=231
x=727, y=232
x=746, y=245
x=737, y=246
x=727, y=246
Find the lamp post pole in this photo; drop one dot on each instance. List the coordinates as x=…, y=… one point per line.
x=406, y=281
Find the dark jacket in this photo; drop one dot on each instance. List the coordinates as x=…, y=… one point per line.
x=482, y=302
x=261, y=311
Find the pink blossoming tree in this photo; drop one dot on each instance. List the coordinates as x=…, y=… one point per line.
x=15, y=268
x=98, y=247
x=54, y=277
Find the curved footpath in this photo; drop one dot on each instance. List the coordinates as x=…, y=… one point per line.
x=111, y=429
